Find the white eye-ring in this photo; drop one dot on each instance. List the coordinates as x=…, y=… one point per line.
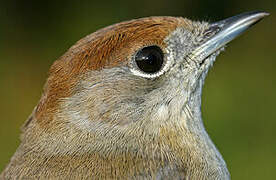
x=150, y=62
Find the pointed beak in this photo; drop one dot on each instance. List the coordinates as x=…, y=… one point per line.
x=225, y=31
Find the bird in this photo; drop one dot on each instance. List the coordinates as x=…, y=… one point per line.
x=125, y=103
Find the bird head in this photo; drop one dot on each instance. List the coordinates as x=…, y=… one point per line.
x=132, y=86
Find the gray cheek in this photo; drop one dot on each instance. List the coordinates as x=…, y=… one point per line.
x=112, y=96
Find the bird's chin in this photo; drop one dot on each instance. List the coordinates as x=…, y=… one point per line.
x=208, y=62
x=201, y=73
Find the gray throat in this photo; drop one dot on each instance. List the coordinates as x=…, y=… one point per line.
x=214, y=167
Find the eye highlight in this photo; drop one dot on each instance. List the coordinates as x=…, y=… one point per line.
x=150, y=59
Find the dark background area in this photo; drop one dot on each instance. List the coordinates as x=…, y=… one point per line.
x=239, y=94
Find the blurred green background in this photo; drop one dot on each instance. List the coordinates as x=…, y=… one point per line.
x=239, y=94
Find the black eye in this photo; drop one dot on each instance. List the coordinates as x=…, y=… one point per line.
x=149, y=59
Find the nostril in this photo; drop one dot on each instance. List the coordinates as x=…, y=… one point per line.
x=202, y=62
x=212, y=30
